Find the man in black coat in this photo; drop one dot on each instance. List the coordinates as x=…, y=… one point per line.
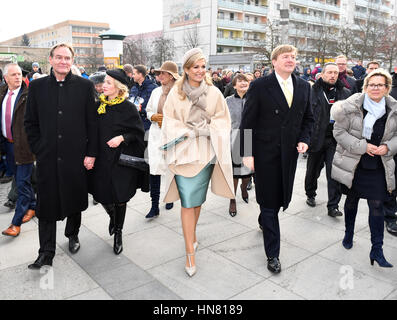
x=325, y=92
x=61, y=126
x=371, y=66
x=278, y=114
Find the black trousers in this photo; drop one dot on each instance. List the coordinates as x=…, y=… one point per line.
x=268, y=219
x=48, y=231
x=315, y=163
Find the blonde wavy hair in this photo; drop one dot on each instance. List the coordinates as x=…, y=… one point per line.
x=189, y=64
x=123, y=89
x=379, y=72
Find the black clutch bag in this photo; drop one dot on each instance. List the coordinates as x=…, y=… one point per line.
x=133, y=162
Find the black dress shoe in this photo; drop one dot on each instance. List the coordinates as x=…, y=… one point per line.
x=10, y=204
x=334, y=213
x=249, y=185
x=6, y=179
x=311, y=202
x=274, y=265
x=391, y=228
x=42, y=260
x=74, y=244
x=169, y=206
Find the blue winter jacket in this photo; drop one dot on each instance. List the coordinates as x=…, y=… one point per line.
x=139, y=96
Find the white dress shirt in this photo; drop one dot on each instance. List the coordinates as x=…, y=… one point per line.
x=290, y=84
x=3, y=110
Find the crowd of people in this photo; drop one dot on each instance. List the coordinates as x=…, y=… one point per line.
x=69, y=134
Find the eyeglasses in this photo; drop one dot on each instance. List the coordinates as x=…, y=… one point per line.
x=376, y=86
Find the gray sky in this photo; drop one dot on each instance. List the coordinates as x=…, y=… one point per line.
x=125, y=16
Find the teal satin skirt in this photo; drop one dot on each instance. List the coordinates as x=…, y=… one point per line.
x=193, y=190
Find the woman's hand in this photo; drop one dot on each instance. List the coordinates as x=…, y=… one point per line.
x=371, y=149
x=381, y=150
x=157, y=117
x=115, y=142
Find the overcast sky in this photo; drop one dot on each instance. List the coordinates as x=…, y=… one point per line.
x=125, y=16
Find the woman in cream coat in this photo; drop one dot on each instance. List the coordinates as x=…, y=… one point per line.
x=196, y=130
x=167, y=74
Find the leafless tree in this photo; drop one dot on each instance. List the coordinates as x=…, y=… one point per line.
x=324, y=44
x=191, y=37
x=136, y=51
x=94, y=60
x=347, y=42
x=388, y=45
x=25, y=42
x=163, y=50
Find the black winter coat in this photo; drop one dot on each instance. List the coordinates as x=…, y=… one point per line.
x=110, y=182
x=321, y=112
x=393, y=91
x=61, y=126
x=276, y=131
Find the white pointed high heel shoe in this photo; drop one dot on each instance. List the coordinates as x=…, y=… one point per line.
x=191, y=270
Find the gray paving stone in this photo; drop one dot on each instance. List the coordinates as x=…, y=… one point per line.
x=122, y=279
x=153, y=247
x=64, y=280
x=19, y=250
x=216, y=277
x=212, y=228
x=95, y=294
x=266, y=290
x=321, y=279
x=247, y=250
x=151, y=291
x=308, y=235
x=358, y=258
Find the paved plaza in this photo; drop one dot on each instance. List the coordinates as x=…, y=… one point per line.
x=230, y=259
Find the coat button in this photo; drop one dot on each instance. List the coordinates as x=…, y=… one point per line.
x=61, y=84
x=59, y=159
x=60, y=136
x=60, y=112
x=276, y=111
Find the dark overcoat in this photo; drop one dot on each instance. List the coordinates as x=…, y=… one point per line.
x=22, y=153
x=61, y=126
x=276, y=131
x=321, y=112
x=109, y=181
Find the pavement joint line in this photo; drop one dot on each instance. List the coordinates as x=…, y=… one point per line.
x=130, y=262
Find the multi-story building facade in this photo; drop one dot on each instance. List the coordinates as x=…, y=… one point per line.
x=83, y=36
x=233, y=32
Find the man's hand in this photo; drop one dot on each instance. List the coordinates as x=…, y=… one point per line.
x=302, y=147
x=89, y=162
x=115, y=142
x=249, y=163
x=157, y=117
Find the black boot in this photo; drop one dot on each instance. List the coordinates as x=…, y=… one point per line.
x=155, y=195
x=110, y=209
x=119, y=223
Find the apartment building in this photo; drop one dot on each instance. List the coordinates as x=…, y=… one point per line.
x=229, y=31
x=83, y=35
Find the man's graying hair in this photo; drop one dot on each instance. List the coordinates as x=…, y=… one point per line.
x=5, y=72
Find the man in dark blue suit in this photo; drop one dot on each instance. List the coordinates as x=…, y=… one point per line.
x=279, y=116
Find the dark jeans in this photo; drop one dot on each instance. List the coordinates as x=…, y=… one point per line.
x=48, y=231
x=375, y=220
x=10, y=160
x=268, y=219
x=315, y=164
x=26, y=198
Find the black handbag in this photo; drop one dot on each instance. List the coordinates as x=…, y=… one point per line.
x=133, y=162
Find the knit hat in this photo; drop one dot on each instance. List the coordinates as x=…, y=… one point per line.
x=170, y=67
x=118, y=74
x=35, y=64
x=190, y=54
x=98, y=77
x=102, y=68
